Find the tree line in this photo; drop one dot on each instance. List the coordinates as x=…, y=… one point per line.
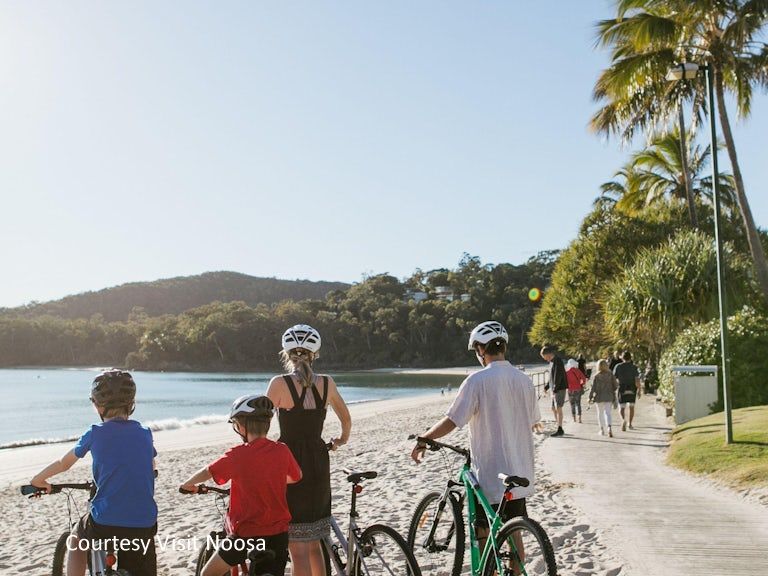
x=382, y=321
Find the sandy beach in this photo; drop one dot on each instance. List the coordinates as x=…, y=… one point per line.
x=379, y=442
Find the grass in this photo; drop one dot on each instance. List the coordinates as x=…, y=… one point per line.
x=699, y=446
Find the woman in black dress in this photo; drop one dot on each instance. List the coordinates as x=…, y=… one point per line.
x=302, y=398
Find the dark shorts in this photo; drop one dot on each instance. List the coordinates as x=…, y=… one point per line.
x=628, y=398
x=509, y=509
x=238, y=549
x=558, y=398
x=134, y=561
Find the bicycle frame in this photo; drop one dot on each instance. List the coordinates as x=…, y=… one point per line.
x=348, y=543
x=478, y=558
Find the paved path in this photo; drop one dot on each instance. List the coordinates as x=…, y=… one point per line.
x=655, y=518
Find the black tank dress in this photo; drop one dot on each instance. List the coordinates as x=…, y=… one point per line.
x=309, y=500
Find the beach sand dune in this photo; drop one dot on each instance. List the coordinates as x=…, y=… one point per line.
x=379, y=442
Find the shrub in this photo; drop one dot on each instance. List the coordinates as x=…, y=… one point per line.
x=700, y=345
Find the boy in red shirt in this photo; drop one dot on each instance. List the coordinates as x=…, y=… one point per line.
x=260, y=470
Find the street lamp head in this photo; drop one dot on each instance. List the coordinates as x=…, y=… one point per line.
x=684, y=70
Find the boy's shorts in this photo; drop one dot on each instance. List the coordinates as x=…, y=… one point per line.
x=558, y=398
x=509, y=509
x=134, y=561
x=236, y=552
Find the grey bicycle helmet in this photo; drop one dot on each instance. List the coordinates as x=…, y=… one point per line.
x=252, y=406
x=113, y=389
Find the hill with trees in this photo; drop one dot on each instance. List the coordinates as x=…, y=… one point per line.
x=175, y=295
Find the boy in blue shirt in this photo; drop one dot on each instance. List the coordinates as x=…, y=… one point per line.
x=123, y=471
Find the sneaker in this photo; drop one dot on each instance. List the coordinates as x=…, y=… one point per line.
x=560, y=432
x=601, y=432
x=631, y=427
x=623, y=426
x=610, y=433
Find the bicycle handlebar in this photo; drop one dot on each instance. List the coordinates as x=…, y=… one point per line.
x=30, y=490
x=205, y=489
x=434, y=445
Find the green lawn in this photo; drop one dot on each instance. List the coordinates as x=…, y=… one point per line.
x=699, y=446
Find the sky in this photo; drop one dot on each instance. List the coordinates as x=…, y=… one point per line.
x=308, y=139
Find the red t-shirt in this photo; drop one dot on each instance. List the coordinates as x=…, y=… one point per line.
x=258, y=471
x=576, y=379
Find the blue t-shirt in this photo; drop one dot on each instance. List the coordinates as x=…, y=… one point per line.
x=122, y=453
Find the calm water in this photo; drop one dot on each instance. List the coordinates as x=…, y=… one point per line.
x=45, y=405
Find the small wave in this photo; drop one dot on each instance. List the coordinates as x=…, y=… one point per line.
x=365, y=401
x=176, y=423
x=37, y=442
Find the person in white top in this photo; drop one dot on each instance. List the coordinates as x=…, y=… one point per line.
x=499, y=404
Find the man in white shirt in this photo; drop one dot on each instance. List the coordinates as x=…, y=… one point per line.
x=499, y=404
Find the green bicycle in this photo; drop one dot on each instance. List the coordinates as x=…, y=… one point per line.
x=437, y=534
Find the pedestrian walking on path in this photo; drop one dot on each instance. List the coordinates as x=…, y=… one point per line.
x=603, y=392
x=558, y=383
x=629, y=389
x=576, y=380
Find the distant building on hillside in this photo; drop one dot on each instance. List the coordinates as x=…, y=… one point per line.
x=444, y=293
x=415, y=295
x=465, y=297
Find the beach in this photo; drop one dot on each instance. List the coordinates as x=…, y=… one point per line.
x=379, y=442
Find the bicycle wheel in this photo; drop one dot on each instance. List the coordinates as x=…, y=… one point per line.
x=443, y=555
x=60, y=555
x=383, y=552
x=523, y=548
x=203, y=556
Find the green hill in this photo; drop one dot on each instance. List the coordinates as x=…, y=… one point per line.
x=175, y=295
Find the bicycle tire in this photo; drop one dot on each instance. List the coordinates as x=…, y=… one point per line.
x=203, y=556
x=383, y=552
x=60, y=555
x=427, y=514
x=539, y=557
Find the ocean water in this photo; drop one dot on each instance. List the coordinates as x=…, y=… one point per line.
x=40, y=406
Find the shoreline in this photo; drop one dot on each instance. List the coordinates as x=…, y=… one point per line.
x=18, y=464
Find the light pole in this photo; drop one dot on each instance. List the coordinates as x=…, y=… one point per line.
x=689, y=71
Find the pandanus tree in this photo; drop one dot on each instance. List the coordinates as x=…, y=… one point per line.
x=647, y=38
x=658, y=173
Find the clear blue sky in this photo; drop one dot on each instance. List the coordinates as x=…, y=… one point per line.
x=297, y=139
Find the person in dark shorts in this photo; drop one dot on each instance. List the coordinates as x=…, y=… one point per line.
x=629, y=388
x=123, y=470
x=259, y=470
x=558, y=382
x=302, y=398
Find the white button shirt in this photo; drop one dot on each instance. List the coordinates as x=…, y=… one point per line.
x=499, y=404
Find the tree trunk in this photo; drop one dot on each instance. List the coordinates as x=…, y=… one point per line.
x=753, y=237
x=686, y=173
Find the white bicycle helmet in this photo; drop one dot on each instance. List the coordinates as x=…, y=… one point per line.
x=485, y=332
x=252, y=406
x=301, y=336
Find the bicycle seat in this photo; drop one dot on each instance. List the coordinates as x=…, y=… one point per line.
x=354, y=476
x=512, y=481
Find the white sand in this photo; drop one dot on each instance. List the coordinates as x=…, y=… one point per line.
x=379, y=442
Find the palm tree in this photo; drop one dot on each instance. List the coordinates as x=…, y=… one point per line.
x=657, y=173
x=647, y=38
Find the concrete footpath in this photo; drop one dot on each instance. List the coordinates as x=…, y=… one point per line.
x=657, y=519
